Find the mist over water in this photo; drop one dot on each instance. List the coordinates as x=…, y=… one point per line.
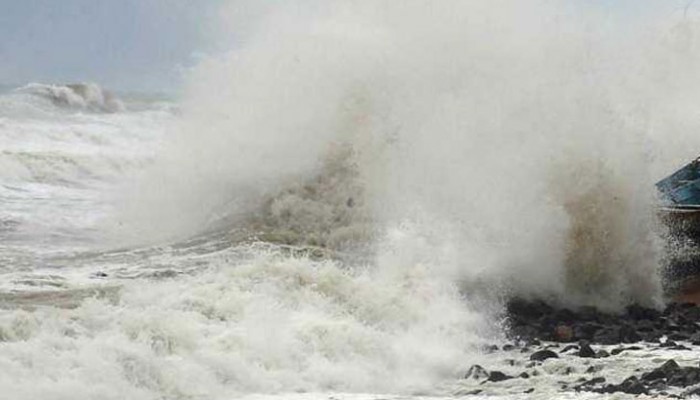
x=343, y=201
x=525, y=138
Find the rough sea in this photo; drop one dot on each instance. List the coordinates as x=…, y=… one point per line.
x=339, y=207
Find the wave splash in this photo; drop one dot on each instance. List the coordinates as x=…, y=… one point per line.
x=524, y=145
x=459, y=153
x=76, y=96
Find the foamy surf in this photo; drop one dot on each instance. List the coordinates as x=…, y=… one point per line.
x=341, y=205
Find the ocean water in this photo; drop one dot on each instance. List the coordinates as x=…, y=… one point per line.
x=338, y=207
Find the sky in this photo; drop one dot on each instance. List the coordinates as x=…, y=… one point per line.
x=127, y=44
x=146, y=45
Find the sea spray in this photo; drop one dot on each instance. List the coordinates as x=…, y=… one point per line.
x=511, y=130
x=343, y=203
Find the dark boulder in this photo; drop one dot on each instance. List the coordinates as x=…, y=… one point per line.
x=543, y=355
x=498, y=376
x=686, y=376
x=665, y=371
x=632, y=385
x=586, y=351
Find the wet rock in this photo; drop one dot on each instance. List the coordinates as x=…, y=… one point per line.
x=695, y=339
x=531, y=320
x=609, y=335
x=665, y=371
x=691, y=392
x=524, y=375
x=498, y=376
x=684, y=377
x=508, y=347
x=679, y=336
x=679, y=347
x=629, y=335
x=569, y=347
x=589, y=384
x=594, y=368
x=637, y=312
x=477, y=372
x=529, y=390
x=617, y=350
x=528, y=309
x=644, y=326
x=586, y=331
x=543, y=355
x=602, y=354
x=524, y=331
x=586, y=351
x=632, y=385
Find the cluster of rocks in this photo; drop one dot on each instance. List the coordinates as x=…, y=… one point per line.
x=533, y=326
x=670, y=374
x=529, y=321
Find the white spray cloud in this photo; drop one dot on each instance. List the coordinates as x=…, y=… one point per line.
x=516, y=131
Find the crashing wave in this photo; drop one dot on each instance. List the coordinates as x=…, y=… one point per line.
x=79, y=96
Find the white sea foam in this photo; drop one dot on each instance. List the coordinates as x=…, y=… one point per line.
x=436, y=157
x=266, y=325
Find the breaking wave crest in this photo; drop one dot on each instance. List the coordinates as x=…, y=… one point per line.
x=76, y=96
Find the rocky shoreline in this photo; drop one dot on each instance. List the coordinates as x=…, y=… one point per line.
x=539, y=334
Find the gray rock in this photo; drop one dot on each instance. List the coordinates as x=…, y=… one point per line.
x=476, y=372
x=543, y=355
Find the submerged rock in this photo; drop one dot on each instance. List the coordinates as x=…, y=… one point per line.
x=602, y=354
x=477, y=372
x=590, y=384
